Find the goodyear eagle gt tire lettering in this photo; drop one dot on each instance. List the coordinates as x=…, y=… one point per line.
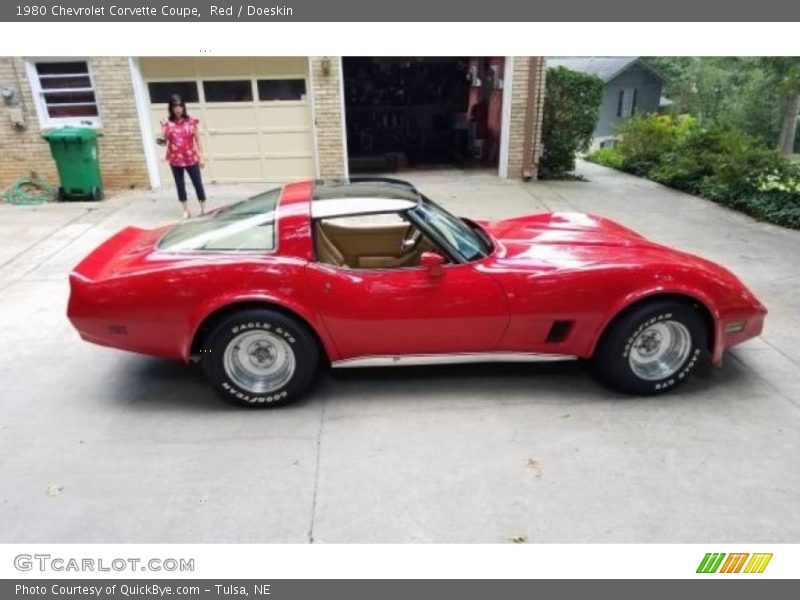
x=652, y=348
x=261, y=358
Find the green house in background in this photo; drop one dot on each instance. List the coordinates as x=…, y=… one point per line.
x=632, y=86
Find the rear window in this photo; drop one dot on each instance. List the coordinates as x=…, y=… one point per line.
x=247, y=226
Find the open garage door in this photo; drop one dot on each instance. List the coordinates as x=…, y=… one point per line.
x=423, y=112
x=255, y=114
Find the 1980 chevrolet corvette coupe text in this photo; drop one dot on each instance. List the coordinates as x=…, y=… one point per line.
x=266, y=291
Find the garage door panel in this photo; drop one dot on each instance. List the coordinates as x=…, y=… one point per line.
x=291, y=167
x=225, y=117
x=222, y=66
x=162, y=68
x=242, y=141
x=233, y=143
x=156, y=115
x=294, y=115
x=233, y=169
x=274, y=66
x=270, y=66
x=293, y=142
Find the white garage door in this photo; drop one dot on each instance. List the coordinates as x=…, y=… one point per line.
x=255, y=114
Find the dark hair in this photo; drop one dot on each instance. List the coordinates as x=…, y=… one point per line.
x=176, y=100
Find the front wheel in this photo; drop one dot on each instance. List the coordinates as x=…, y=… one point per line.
x=652, y=348
x=260, y=358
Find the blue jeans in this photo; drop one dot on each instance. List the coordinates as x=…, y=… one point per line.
x=194, y=175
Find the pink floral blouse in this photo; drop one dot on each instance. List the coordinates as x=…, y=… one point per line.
x=181, y=147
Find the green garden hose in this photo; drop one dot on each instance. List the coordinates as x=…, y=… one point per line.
x=27, y=191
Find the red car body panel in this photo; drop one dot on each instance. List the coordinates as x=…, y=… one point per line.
x=373, y=313
x=544, y=268
x=579, y=267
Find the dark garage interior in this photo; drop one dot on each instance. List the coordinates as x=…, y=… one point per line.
x=422, y=112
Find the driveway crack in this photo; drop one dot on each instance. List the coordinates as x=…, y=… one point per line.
x=763, y=379
x=778, y=350
x=109, y=213
x=44, y=238
x=316, y=473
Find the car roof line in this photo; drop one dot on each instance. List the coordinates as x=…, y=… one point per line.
x=392, y=180
x=364, y=205
x=406, y=185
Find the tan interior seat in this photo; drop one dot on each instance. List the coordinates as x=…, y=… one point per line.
x=362, y=247
x=326, y=251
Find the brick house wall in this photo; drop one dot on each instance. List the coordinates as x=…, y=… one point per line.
x=122, y=161
x=23, y=150
x=329, y=123
x=121, y=150
x=524, y=68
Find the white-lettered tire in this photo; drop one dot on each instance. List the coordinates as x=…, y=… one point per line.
x=260, y=358
x=652, y=348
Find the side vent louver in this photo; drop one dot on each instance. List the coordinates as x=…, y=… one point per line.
x=559, y=331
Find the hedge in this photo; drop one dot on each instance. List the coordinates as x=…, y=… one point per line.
x=571, y=110
x=725, y=165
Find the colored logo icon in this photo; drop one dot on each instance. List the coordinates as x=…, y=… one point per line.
x=736, y=562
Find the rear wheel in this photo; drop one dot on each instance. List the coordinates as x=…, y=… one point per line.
x=260, y=358
x=652, y=348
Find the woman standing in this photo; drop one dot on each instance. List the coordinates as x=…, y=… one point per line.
x=181, y=134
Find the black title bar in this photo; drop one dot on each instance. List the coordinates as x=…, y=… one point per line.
x=408, y=10
x=408, y=589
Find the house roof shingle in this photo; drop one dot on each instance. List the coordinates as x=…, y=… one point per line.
x=604, y=67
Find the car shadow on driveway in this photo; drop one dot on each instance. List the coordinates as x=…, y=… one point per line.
x=144, y=383
x=506, y=383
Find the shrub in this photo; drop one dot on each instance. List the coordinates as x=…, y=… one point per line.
x=737, y=163
x=571, y=109
x=646, y=139
x=723, y=164
x=775, y=206
x=609, y=157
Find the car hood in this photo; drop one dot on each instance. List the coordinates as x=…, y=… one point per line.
x=567, y=241
x=562, y=229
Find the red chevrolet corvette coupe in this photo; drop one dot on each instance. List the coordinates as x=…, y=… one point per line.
x=371, y=272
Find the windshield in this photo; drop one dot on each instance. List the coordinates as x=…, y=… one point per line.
x=467, y=242
x=245, y=226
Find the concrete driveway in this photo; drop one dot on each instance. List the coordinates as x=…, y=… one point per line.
x=98, y=445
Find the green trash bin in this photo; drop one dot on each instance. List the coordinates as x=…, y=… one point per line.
x=75, y=152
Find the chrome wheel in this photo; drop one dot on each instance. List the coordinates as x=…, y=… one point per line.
x=660, y=350
x=259, y=361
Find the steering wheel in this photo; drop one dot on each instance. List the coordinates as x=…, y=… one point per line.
x=410, y=240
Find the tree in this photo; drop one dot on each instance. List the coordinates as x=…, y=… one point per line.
x=702, y=87
x=760, y=96
x=786, y=71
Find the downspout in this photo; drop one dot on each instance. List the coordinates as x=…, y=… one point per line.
x=534, y=88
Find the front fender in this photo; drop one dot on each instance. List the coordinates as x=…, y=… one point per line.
x=640, y=295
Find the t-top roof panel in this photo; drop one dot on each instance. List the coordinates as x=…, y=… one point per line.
x=365, y=188
x=342, y=207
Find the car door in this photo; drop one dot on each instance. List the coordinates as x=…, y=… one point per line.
x=401, y=311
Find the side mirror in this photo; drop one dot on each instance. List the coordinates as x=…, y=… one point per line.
x=433, y=263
